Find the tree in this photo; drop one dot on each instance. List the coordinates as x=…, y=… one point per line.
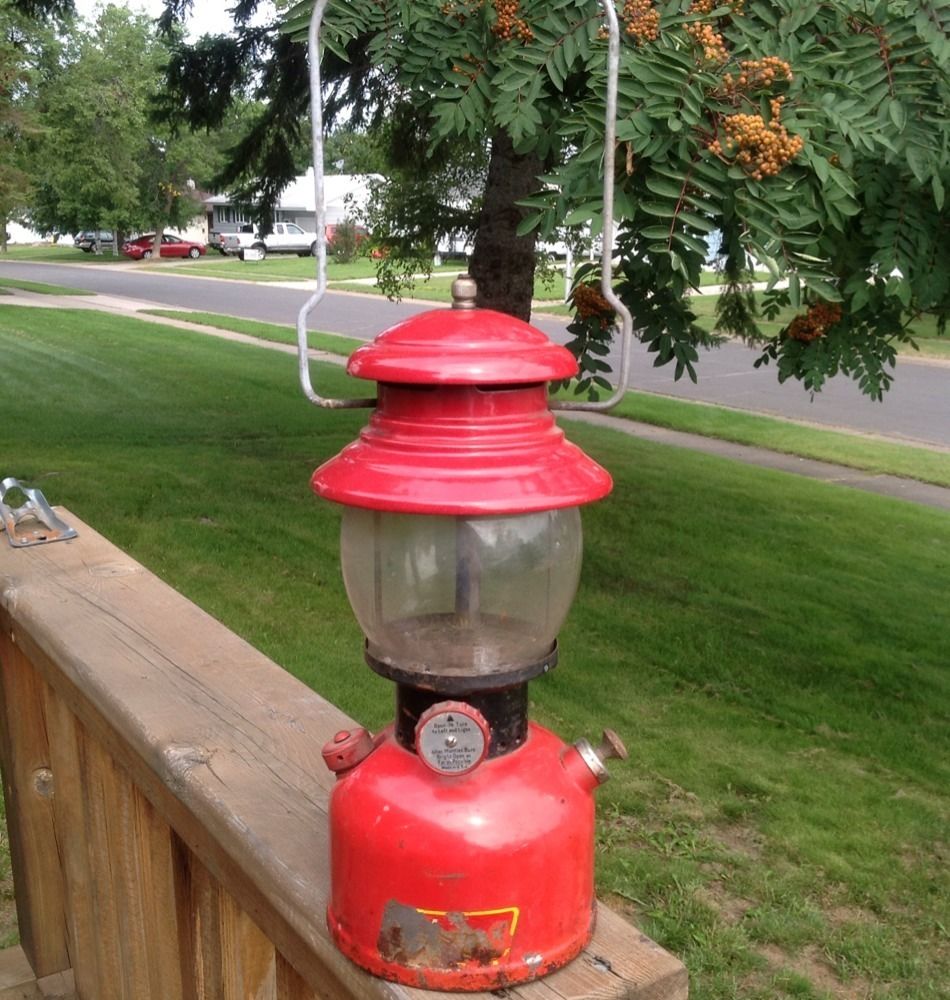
x=812, y=135
x=27, y=47
x=103, y=160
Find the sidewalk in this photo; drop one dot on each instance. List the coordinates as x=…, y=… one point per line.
x=910, y=490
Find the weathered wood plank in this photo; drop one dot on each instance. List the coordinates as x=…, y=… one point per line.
x=28, y=791
x=290, y=985
x=70, y=815
x=226, y=746
x=229, y=956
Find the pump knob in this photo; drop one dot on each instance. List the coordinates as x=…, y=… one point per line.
x=611, y=745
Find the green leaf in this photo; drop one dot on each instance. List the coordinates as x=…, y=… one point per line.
x=937, y=185
x=794, y=291
x=663, y=187
x=897, y=114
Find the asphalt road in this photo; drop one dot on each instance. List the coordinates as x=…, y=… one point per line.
x=916, y=409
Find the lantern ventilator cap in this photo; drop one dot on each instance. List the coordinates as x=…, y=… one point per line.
x=463, y=425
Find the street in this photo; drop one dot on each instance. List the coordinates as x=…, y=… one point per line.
x=917, y=409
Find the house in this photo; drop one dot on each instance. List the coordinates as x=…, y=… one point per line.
x=344, y=196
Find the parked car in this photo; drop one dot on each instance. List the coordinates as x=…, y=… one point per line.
x=94, y=240
x=287, y=237
x=172, y=246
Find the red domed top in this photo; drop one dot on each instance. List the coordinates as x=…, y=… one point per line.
x=462, y=347
x=462, y=425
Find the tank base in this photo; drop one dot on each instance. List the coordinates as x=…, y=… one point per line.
x=466, y=882
x=453, y=952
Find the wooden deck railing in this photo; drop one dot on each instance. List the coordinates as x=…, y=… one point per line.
x=166, y=802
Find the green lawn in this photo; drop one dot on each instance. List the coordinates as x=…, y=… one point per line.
x=772, y=648
x=852, y=450
x=697, y=418
x=55, y=254
x=285, y=267
x=331, y=342
x=438, y=288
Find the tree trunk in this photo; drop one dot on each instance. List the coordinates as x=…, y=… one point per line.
x=157, y=244
x=502, y=261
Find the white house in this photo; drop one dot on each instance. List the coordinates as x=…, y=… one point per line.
x=344, y=195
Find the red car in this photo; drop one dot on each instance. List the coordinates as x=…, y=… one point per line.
x=172, y=246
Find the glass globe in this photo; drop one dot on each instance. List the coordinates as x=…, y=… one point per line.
x=458, y=596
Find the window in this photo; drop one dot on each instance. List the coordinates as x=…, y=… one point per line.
x=294, y=230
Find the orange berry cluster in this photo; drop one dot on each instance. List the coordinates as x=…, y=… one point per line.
x=712, y=43
x=815, y=322
x=508, y=25
x=758, y=74
x=591, y=304
x=641, y=20
x=761, y=148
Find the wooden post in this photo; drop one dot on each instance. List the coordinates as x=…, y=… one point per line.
x=183, y=852
x=28, y=789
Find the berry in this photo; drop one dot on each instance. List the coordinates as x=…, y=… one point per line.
x=508, y=25
x=641, y=20
x=815, y=323
x=591, y=304
x=761, y=148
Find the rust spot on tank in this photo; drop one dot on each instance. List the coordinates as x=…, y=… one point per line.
x=413, y=939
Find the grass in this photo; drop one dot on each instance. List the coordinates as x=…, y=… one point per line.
x=772, y=648
x=287, y=267
x=854, y=451
x=438, y=288
x=332, y=343
x=41, y=288
x=55, y=254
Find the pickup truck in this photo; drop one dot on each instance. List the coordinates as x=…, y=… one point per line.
x=287, y=237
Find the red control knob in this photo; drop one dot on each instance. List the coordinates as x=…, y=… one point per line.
x=347, y=749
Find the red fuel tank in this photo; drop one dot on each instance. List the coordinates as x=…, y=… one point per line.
x=464, y=882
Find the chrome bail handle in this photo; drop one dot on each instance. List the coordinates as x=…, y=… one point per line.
x=610, y=151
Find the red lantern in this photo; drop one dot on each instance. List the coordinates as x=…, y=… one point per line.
x=462, y=836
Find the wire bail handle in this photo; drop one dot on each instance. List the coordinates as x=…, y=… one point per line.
x=607, y=253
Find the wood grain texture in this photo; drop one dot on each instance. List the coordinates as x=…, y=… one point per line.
x=28, y=792
x=70, y=818
x=226, y=747
x=229, y=957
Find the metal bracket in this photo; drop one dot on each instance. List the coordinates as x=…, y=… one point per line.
x=32, y=523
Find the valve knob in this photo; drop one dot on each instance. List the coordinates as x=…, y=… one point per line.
x=452, y=737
